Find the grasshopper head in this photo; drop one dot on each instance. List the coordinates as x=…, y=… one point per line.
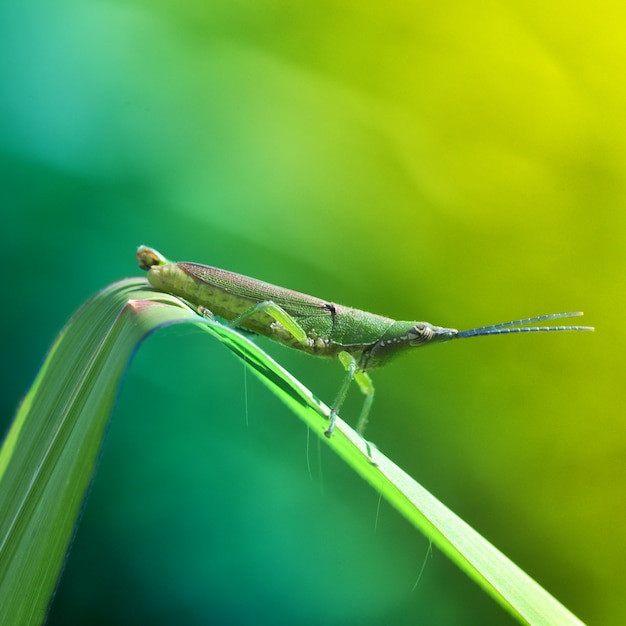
x=402, y=336
x=422, y=333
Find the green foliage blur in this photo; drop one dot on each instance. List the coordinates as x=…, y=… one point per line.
x=460, y=163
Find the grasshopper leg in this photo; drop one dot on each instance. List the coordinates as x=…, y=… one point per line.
x=366, y=386
x=202, y=310
x=367, y=389
x=350, y=364
x=278, y=314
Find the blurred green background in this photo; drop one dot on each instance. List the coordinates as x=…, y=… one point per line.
x=460, y=163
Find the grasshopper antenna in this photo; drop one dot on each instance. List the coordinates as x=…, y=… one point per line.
x=519, y=326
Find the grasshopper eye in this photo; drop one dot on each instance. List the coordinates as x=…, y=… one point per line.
x=420, y=334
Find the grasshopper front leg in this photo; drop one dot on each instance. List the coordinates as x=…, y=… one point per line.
x=366, y=386
x=367, y=389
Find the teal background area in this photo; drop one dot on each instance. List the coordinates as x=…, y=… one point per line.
x=462, y=164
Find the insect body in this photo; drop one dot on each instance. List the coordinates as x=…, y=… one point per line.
x=362, y=341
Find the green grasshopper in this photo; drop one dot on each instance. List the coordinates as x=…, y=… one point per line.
x=362, y=341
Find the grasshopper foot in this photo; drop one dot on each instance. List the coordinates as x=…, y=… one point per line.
x=332, y=418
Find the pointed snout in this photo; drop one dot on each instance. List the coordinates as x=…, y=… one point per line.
x=443, y=334
x=422, y=333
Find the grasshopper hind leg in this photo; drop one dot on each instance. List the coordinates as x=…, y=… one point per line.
x=278, y=314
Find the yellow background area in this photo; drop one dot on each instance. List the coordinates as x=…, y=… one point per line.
x=461, y=163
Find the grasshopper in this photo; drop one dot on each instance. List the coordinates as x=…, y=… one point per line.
x=362, y=341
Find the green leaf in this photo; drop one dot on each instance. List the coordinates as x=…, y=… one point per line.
x=48, y=458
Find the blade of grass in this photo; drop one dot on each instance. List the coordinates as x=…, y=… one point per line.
x=48, y=458
x=511, y=587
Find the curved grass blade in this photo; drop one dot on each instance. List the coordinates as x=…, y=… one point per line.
x=511, y=587
x=49, y=454
x=48, y=458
